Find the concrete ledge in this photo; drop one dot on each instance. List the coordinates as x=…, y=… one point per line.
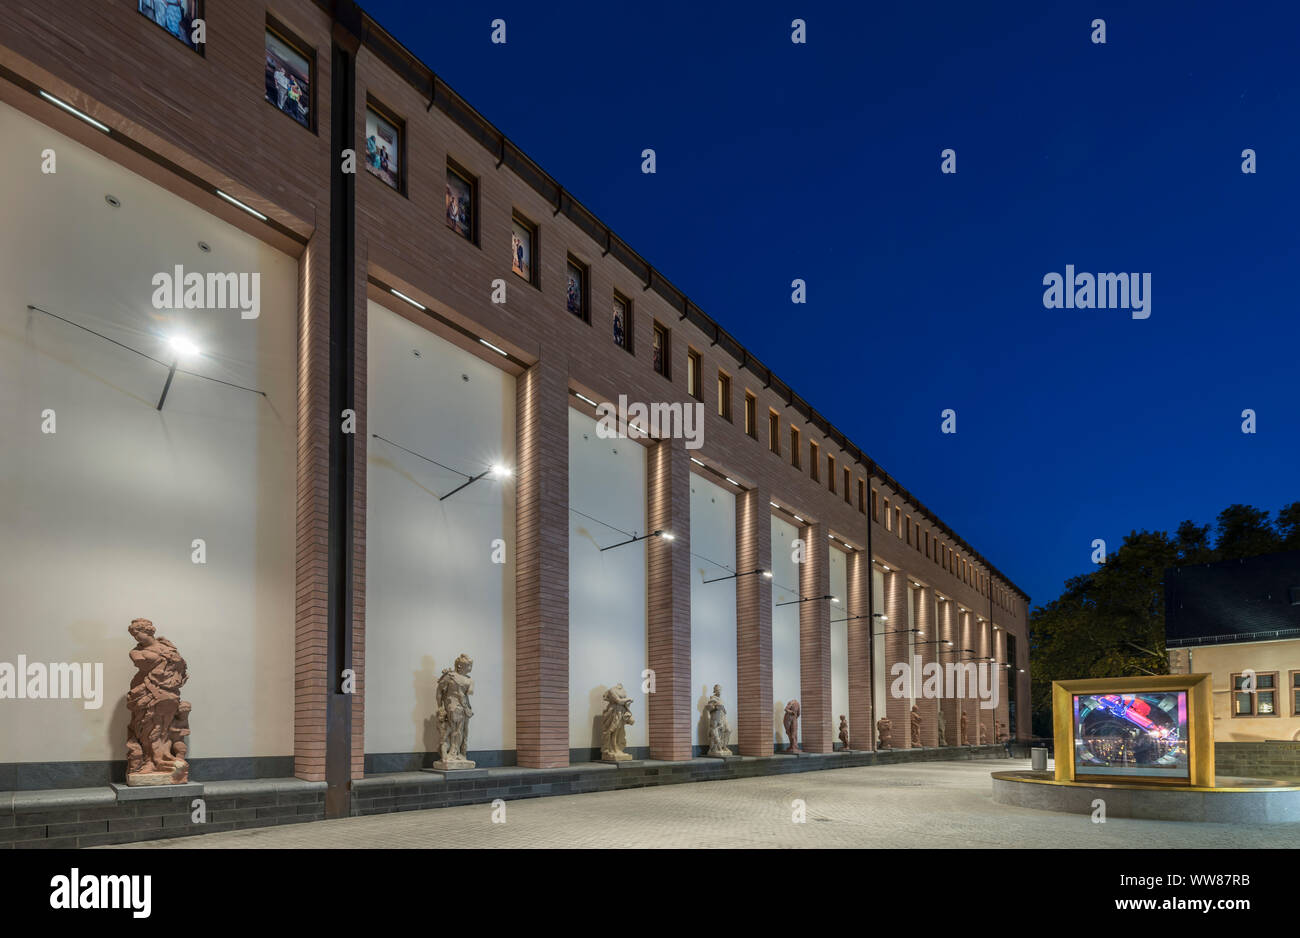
x=156, y=792
x=1236, y=801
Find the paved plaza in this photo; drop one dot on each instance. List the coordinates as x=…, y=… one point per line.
x=932, y=804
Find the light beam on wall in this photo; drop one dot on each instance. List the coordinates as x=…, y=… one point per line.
x=74, y=112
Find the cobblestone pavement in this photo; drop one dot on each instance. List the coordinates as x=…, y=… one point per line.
x=930, y=804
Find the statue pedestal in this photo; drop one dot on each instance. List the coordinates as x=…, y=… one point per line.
x=147, y=792
x=455, y=774
x=624, y=763
x=731, y=757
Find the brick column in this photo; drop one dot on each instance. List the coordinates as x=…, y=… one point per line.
x=859, y=635
x=815, y=733
x=969, y=701
x=999, y=651
x=542, y=567
x=898, y=709
x=927, y=622
x=311, y=627
x=668, y=589
x=754, y=624
x=948, y=629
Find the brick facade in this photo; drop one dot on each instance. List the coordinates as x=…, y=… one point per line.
x=401, y=240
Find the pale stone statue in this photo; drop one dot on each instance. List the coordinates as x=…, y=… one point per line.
x=979, y=732
x=792, y=725
x=916, y=727
x=999, y=732
x=885, y=728
x=965, y=735
x=844, y=733
x=943, y=728
x=613, y=725
x=719, y=731
x=454, y=711
x=155, y=747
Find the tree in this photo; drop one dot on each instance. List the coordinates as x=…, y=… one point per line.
x=1245, y=531
x=1288, y=526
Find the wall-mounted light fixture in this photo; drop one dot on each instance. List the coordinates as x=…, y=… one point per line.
x=663, y=535
x=498, y=471
x=583, y=397
x=935, y=641
x=765, y=573
x=898, y=631
x=809, y=599
x=181, y=348
x=238, y=204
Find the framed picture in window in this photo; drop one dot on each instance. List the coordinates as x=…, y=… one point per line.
x=384, y=157
x=290, y=74
x=523, y=240
x=622, y=322
x=575, y=289
x=176, y=17
x=462, y=214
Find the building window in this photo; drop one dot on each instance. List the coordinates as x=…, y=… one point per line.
x=774, y=432
x=176, y=17
x=724, y=395
x=575, y=289
x=385, y=146
x=814, y=461
x=862, y=496
x=751, y=415
x=830, y=472
x=875, y=506
x=693, y=375
x=898, y=521
x=462, y=203
x=1259, y=702
x=622, y=315
x=796, y=455
x=1295, y=693
x=523, y=248
x=889, y=517
x=927, y=543
x=907, y=527
x=290, y=74
x=848, y=485
x=661, y=351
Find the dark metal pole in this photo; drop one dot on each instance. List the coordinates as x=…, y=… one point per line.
x=171, y=373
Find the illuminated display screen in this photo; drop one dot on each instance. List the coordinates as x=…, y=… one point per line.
x=1131, y=734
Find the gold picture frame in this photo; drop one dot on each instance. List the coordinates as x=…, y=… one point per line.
x=1200, y=724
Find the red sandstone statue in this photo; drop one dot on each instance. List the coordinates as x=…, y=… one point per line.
x=844, y=733
x=916, y=727
x=792, y=725
x=155, y=746
x=886, y=730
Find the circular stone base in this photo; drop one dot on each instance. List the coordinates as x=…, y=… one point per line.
x=1234, y=801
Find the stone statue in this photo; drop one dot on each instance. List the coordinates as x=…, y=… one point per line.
x=155, y=747
x=454, y=711
x=719, y=731
x=999, y=732
x=885, y=727
x=844, y=733
x=916, y=727
x=613, y=725
x=965, y=735
x=791, y=721
x=979, y=732
x=943, y=729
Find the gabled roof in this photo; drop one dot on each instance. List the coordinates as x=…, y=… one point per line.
x=1254, y=599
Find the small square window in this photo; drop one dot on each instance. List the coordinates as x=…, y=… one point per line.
x=290, y=74
x=575, y=289
x=176, y=17
x=661, y=358
x=462, y=203
x=385, y=147
x=622, y=319
x=693, y=367
x=523, y=247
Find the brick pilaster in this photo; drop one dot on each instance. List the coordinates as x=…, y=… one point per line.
x=898, y=709
x=928, y=707
x=754, y=624
x=668, y=581
x=815, y=733
x=859, y=642
x=542, y=567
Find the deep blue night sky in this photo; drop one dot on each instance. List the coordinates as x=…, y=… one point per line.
x=821, y=161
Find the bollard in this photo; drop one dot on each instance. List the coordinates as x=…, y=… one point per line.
x=1038, y=757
